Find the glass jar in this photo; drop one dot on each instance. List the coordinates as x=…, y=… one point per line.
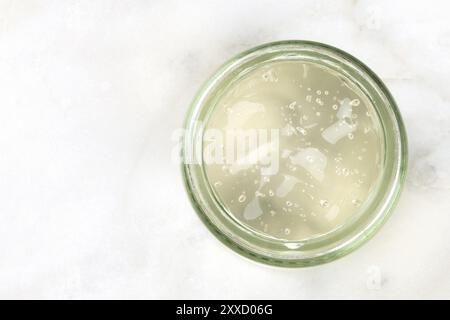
x=316, y=250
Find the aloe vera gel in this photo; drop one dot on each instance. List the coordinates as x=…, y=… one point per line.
x=324, y=141
x=294, y=153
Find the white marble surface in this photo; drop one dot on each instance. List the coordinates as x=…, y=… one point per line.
x=90, y=91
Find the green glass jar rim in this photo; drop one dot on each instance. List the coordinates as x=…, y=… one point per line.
x=305, y=255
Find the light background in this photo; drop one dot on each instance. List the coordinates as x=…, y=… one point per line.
x=90, y=92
